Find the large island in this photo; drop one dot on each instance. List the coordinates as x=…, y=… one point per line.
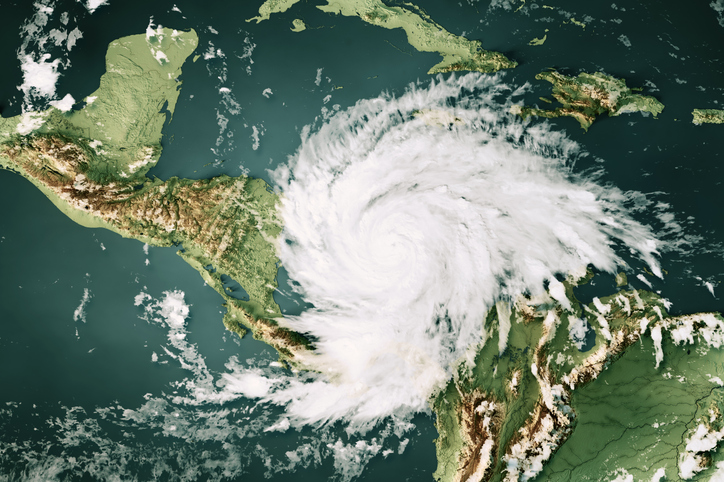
x=587, y=96
x=423, y=33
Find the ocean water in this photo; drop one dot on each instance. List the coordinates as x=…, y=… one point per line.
x=79, y=377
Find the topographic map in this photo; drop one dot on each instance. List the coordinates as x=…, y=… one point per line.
x=361, y=240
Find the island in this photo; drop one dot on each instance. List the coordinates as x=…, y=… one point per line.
x=92, y=163
x=298, y=25
x=588, y=96
x=708, y=116
x=423, y=33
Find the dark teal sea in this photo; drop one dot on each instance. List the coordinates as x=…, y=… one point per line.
x=51, y=362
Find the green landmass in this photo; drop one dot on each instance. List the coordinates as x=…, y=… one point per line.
x=708, y=116
x=588, y=96
x=541, y=408
x=298, y=25
x=92, y=164
x=270, y=7
x=576, y=22
x=531, y=410
x=423, y=33
x=539, y=41
x=640, y=417
x=123, y=118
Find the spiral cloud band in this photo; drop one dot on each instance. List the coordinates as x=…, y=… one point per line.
x=407, y=218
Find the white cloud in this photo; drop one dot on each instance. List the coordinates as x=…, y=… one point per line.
x=504, y=4
x=558, y=293
x=217, y=68
x=503, y=309
x=171, y=312
x=706, y=327
x=704, y=439
x=403, y=235
x=622, y=475
x=603, y=309
x=643, y=279
x=93, y=5
x=281, y=426
x=718, y=6
x=39, y=77
x=64, y=104
x=160, y=57
x=212, y=53
x=73, y=37
x=59, y=37
x=718, y=475
x=189, y=423
x=256, y=134
x=577, y=329
x=79, y=313
x=29, y=121
x=249, y=384
x=710, y=287
x=349, y=459
x=706, y=284
x=248, y=50
x=656, y=336
x=658, y=475
x=43, y=53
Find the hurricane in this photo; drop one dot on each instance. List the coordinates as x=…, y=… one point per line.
x=407, y=218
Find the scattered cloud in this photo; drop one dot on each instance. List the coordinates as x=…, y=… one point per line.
x=718, y=6
x=47, y=37
x=79, y=313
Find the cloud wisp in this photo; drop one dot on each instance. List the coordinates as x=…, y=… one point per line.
x=407, y=218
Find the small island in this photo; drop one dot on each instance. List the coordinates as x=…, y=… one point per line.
x=298, y=25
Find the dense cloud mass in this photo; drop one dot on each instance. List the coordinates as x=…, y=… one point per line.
x=407, y=218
